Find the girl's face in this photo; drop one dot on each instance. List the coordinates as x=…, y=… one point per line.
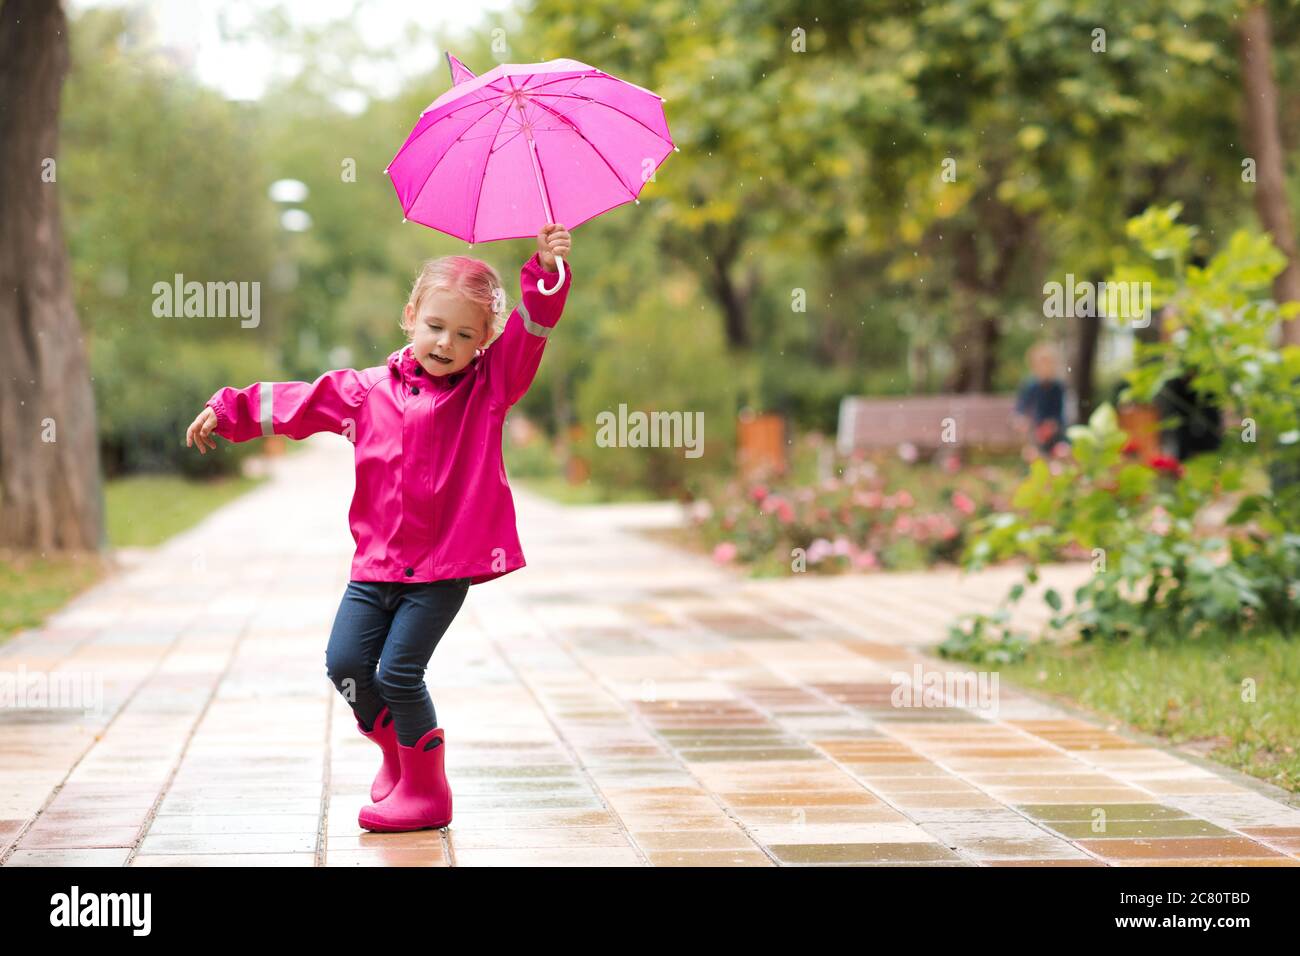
x=1044, y=365
x=449, y=327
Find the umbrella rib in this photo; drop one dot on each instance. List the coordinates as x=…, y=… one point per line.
x=592, y=145
x=474, y=221
x=488, y=100
x=564, y=79
x=607, y=106
x=513, y=137
x=435, y=166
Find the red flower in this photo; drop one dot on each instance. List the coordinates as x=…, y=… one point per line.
x=1131, y=447
x=758, y=492
x=1171, y=466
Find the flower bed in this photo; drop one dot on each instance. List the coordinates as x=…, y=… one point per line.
x=871, y=514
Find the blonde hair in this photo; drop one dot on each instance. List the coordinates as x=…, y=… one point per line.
x=466, y=276
x=1044, y=352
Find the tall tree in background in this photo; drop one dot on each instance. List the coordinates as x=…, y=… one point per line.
x=1265, y=142
x=50, y=492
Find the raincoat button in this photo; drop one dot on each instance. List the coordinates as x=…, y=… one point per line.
x=415, y=390
x=410, y=572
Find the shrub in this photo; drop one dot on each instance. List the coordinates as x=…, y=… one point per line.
x=1157, y=568
x=659, y=358
x=146, y=399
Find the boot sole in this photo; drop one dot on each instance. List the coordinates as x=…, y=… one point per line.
x=401, y=828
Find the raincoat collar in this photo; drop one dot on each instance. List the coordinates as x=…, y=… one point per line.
x=402, y=364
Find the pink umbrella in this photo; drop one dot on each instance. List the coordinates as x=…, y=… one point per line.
x=500, y=155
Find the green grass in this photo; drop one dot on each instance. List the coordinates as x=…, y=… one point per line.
x=145, y=510
x=33, y=587
x=1189, y=692
x=142, y=511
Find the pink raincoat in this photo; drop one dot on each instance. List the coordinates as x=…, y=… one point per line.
x=431, y=499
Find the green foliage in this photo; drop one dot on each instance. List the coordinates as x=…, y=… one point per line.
x=1156, y=568
x=658, y=357
x=985, y=639
x=145, y=404
x=816, y=170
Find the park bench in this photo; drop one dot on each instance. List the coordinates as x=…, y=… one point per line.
x=928, y=422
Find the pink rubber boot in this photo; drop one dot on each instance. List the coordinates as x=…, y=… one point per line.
x=422, y=799
x=384, y=733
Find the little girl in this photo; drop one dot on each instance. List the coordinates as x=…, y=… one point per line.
x=432, y=512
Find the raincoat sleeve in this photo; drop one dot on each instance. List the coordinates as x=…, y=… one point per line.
x=292, y=409
x=513, y=358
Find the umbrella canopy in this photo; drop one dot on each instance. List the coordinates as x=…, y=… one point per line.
x=500, y=155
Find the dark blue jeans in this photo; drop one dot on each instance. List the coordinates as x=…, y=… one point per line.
x=394, y=627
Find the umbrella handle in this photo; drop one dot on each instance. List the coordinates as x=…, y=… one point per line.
x=559, y=261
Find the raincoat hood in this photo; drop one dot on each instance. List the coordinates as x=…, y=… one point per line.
x=403, y=364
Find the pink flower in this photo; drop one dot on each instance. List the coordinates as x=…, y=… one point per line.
x=905, y=500
x=963, y=503
x=842, y=545
x=907, y=451
x=951, y=464
x=725, y=552
x=785, y=512
x=1159, y=520
x=819, y=549
x=758, y=492
x=866, y=559
x=867, y=499
x=903, y=524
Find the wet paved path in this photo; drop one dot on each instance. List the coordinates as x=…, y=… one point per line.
x=616, y=702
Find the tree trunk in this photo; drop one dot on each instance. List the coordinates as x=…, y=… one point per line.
x=1085, y=357
x=981, y=331
x=50, y=492
x=1265, y=142
x=732, y=297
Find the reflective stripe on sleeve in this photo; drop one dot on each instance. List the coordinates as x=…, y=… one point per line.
x=268, y=408
x=530, y=325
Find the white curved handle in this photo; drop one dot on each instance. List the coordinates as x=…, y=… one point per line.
x=559, y=261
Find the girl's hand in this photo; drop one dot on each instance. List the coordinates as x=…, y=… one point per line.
x=200, y=432
x=552, y=241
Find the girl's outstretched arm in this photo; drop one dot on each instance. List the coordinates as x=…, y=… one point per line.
x=292, y=409
x=513, y=358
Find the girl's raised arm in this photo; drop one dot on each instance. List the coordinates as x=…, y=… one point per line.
x=513, y=358
x=292, y=409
